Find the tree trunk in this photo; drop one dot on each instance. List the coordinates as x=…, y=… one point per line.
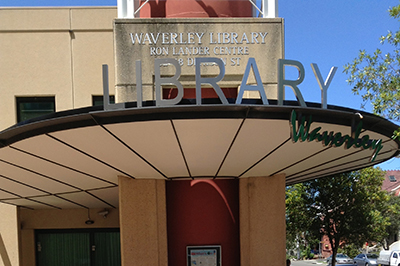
x=334, y=250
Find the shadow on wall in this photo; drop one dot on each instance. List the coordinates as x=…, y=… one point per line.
x=208, y=9
x=3, y=253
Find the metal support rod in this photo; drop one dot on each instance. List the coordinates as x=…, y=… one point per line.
x=140, y=7
x=256, y=7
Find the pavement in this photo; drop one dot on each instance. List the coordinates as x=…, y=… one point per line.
x=308, y=262
x=321, y=262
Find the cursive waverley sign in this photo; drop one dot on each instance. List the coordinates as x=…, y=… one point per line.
x=301, y=131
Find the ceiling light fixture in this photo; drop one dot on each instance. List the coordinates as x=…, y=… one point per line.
x=89, y=221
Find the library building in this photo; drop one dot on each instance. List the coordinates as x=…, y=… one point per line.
x=157, y=133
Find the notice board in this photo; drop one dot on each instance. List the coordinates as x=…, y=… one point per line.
x=203, y=255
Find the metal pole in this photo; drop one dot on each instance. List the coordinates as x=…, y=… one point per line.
x=126, y=8
x=270, y=8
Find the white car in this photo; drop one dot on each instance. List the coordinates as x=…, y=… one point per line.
x=340, y=259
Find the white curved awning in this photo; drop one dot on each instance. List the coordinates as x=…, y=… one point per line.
x=73, y=159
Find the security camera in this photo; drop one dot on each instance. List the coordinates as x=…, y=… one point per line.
x=103, y=213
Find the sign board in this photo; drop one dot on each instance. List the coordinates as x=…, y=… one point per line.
x=203, y=255
x=154, y=55
x=233, y=41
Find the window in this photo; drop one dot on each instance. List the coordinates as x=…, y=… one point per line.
x=392, y=178
x=98, y=100
x=31, y=107
x=94, y=247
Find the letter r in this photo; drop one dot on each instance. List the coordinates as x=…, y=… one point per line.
x=212, y=81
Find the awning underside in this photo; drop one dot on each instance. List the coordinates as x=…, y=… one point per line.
x=79, y=167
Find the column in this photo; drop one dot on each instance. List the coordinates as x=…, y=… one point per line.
x=262, y=221
x=143, y=222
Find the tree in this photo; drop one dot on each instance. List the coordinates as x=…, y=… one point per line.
x=344, y=207
x=377, y=76
x=391, y=211
x=297, y=233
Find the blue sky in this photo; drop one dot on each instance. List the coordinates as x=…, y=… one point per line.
x=328, y=33
x=331, y=33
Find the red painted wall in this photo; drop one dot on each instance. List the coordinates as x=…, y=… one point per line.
x=206, y=93
x=198, y=215
x=202, y=213
x=196, y=8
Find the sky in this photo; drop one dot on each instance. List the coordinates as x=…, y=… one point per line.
x=328, y=33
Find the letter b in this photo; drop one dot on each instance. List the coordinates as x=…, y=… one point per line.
x=167, y=81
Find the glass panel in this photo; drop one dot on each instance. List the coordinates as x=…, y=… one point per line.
x=98, y=100
x=108, y=251
x=63, y=249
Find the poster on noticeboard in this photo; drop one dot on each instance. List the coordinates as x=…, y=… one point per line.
x=203, y=255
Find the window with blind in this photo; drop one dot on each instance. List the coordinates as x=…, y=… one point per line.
x=97, y=247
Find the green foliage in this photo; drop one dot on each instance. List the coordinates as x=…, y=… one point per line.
x=307, y=254
x=376, y=76
x=295, y=222
x=290, y=257
x=345, y=207
x=396, y=134
x=350, y=250
x=391, y=213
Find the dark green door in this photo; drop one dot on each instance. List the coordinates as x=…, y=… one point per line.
x=78, y=248
x=107, y=249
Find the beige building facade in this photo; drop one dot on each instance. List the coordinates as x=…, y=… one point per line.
x=158, y=182
x=56, y=52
